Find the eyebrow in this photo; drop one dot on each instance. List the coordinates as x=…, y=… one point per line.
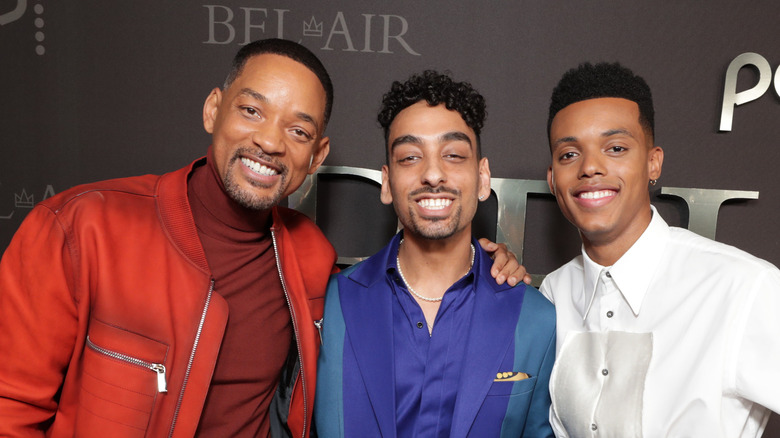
x=253, y=94
x=446, y=137
x=306, y=117
x=619, y=131
x=604, y=134
x=404, y=139
x=455, y=136
x=564, y=140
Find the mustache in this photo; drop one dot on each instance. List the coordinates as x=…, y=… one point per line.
x=434, y=191
x=259, y=155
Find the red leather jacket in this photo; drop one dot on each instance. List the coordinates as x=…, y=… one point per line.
x=108, y=323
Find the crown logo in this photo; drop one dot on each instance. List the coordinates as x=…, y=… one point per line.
x=312, y=28
x=23, y=200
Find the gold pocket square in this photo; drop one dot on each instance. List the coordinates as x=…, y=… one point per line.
x=510, y=376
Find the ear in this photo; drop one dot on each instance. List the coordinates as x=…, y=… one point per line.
x=320, y=153
x=655, y=161
x=210, y=109
x=484, y=179
x=551, y=180
x=386, y=195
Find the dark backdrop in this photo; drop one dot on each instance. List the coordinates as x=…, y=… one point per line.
x=96, y=90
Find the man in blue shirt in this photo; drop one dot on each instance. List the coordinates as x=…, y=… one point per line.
x=419, y=340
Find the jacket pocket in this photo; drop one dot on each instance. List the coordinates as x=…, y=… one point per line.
x=507, y=403
x=509, y=388
x=123, y=374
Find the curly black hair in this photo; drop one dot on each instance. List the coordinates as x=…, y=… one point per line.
x=435, y=88
x=588, y=81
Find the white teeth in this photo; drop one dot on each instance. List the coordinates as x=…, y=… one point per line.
x=434, y=204
x=597, y=195
x=258, y=168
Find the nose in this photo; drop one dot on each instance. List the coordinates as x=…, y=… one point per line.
x=269, y=138
x=591, y=165
x=433, y=172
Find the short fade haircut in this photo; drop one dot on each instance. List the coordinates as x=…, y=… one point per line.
x=589, y=81
x=434, y=88
x=289, y=49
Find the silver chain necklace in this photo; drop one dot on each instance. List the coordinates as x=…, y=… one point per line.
x=433, y=300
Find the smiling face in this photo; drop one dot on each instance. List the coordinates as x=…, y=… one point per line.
x=434, y=177
x=602, y=160
x=267, y=130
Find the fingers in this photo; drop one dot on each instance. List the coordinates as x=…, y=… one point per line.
x=505, y=265
x=488, y=246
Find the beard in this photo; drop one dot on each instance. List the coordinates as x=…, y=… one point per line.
x=436, y=228
x=246, y=197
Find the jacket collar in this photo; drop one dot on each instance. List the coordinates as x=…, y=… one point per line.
x=176, y=216
x=495, y=315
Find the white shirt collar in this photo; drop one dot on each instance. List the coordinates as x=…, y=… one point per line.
x=633, y=272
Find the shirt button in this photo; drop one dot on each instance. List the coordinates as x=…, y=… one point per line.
x=609, y=314
x=420, y=324
x=604, y=372
x=608, y=275
x=593, y=426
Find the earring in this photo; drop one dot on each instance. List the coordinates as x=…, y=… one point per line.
x=653, y=182
x=481, y=197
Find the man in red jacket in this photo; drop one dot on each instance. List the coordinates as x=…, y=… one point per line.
x=181, y=304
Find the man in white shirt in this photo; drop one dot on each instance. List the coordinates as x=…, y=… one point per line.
x=660, y=332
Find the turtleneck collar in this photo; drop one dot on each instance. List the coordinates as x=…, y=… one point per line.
x=216, y=214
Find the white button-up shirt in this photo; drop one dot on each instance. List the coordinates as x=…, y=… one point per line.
x=679, y=338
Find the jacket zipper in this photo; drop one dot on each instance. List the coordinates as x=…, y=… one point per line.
x=192, y=357
x=295, y=327
x=318, y=324
x=156, y=367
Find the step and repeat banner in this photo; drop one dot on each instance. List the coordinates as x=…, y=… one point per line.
x=98, y=90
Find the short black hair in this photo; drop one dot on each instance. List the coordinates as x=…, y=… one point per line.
x=588, y=81
x=435, y=88
x=291, y=50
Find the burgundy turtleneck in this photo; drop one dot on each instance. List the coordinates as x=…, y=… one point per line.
x=240, y=253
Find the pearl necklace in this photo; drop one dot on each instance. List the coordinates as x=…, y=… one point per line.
x=400, y=272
